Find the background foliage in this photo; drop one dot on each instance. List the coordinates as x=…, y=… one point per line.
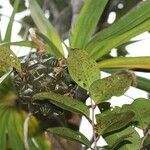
x=39, y=113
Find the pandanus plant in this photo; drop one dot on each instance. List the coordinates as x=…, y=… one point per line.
x=43, y=94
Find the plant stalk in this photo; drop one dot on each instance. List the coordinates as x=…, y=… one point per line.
x=93, y=125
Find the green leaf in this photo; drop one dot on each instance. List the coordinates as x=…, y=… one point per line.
x=10, y=124
x=86, y=22
x=45, y=26
x=20, y=43
x=11, y=128
x=6, y=86
x=8, y=59
x=3, y=128
x=128, y=134
x=50, y=47
x=5, y=75
x=143, y=83
x=141, y=108
x=70, y=134
x=113, y=121
x=64, y=102
x=135, y=22
x=114, y=85
x=82, y=69
x=120, y=142
x=14, y=134
x=10, y=24
x=126, y=62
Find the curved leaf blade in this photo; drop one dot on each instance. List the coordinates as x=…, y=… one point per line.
x=82, y=69
x=70, y=134
x=111, y=122
x=65, y=102
x=45, y=26
x=141, y=83
x=125, y=138
x=86, y=22
x=114, y=85
x=130, y=135
x=141, y=108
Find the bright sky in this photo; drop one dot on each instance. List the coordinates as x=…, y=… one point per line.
x=141, y=48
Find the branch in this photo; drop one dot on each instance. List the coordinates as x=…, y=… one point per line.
x=144, y=138
x=93, y=125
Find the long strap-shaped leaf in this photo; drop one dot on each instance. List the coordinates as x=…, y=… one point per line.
x=143, y=83
x=135, y=22
x=19, y=43
x=126, y=62
x=86, y=22
x=50, y=47
x=45, y=26
x=10, y=24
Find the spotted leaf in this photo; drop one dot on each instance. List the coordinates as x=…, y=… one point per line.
x=111, y=122
x=8, y=59
x=82, y=68
x=70, y=134
x=64, y=102
x=114, y=85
